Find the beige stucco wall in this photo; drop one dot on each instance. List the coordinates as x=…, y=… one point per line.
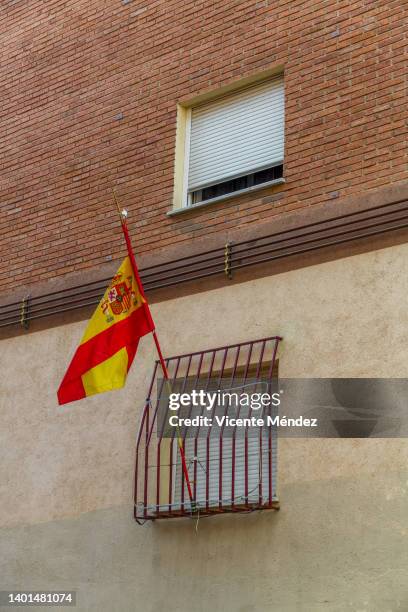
x=340, y=539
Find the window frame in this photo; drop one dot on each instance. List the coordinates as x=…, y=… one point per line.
x=182, y=148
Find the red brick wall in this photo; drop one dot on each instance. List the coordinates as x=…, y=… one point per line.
x=68, y=68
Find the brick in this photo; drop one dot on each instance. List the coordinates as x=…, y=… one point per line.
x=69, y=68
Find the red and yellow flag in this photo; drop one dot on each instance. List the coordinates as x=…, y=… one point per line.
x=110, y=341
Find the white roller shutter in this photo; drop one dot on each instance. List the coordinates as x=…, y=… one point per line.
x=237, y=134
x=258, y=471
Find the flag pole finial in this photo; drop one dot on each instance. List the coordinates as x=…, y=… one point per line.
x=123, y=214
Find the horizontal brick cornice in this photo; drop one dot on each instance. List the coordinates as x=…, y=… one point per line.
x=346, y=222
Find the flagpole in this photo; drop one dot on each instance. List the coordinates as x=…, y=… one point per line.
x=139, y=284
x=123, y=216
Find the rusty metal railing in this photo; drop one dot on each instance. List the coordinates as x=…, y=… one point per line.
x=228, y=473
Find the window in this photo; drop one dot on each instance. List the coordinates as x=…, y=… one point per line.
x=226, y=473
x=234, y=144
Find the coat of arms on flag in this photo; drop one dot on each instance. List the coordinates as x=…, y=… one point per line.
x=120, y=297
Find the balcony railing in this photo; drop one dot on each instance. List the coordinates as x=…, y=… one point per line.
x=226, y=472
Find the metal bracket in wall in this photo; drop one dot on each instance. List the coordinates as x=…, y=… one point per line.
x=227, y=260
x=24, y=322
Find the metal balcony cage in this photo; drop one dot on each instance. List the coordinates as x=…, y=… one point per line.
x=225, y=473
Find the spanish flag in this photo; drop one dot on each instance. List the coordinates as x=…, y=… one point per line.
x=110, y=341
